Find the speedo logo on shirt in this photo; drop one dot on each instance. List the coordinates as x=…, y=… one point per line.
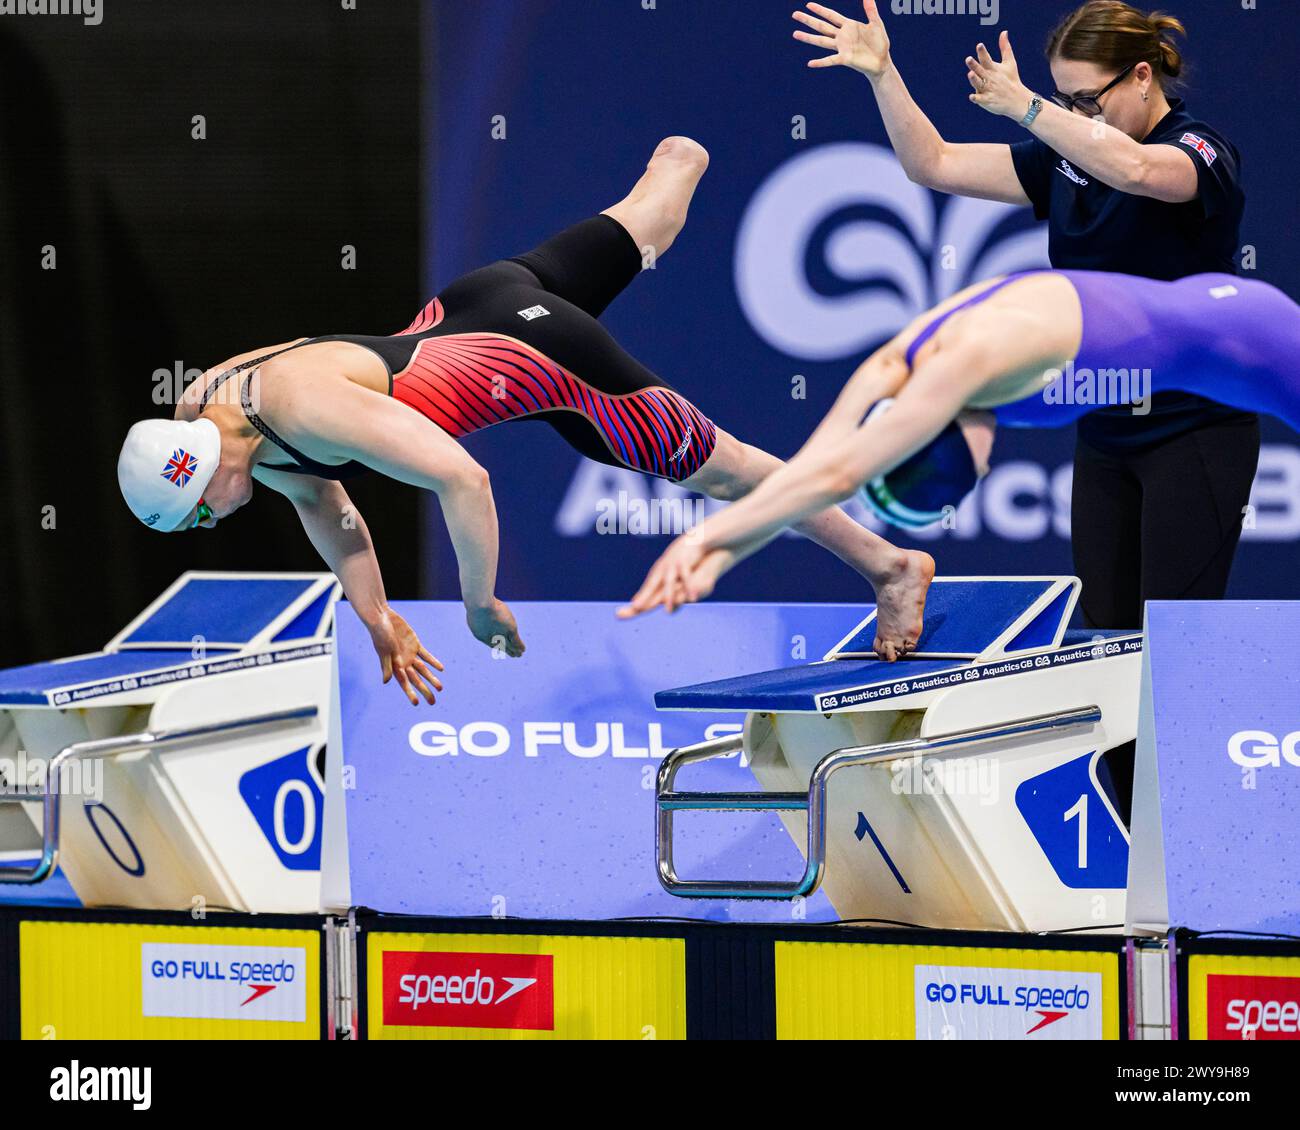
x=685, y=446
x=1065, y=170
x=533, y=313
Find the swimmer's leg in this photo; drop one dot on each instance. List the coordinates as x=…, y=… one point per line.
x=591, y=263
x=900, y=577
x=654, y=212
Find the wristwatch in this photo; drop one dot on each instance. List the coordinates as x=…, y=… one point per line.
x=1035, y=108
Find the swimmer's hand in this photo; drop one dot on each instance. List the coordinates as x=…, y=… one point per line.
x=687, y=573
x=997, y=85
x=494, y=624
x=401, y=655
x=862, y=46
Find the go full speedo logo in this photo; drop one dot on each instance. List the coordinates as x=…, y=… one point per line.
x=963, y=1002
x=469, y=990
x=224, y=982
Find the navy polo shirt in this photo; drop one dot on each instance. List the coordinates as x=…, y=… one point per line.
x=1093, y=227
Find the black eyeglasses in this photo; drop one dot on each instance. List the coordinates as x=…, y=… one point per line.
x=1090, y=104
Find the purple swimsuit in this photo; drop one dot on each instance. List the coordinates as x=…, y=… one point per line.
x=1233, y=340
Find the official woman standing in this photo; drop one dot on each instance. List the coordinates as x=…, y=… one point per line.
x=1128, y=181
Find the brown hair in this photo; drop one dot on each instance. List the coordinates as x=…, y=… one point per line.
x=1116, y=35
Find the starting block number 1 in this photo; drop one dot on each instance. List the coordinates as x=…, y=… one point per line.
x=1085, y=853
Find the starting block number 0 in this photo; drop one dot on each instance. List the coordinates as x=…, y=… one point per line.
x=278, y=793
x=300, y=788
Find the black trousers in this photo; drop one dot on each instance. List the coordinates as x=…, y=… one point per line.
x=1162, y=522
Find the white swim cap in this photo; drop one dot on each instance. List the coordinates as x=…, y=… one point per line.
x=165, y=467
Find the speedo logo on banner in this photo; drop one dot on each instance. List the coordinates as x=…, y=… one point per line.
x=224, y=982
x=963, y=1002
x=469, y=990
x=1252, y=1008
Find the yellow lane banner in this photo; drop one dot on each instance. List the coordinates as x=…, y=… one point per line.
x=827, y=991
x=523, y=987
x=119, y=981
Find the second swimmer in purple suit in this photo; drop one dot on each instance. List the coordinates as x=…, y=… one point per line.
x=1038, y=349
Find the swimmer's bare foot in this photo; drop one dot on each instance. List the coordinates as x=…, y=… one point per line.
x=900, y=604
x=654, y=212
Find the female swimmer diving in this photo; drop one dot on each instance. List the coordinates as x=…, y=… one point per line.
x=1034, y=349
x=515, y=340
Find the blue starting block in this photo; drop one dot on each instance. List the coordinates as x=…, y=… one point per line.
x=975, y=628
x=975, y=792
x=154, y=753
x=205, y=624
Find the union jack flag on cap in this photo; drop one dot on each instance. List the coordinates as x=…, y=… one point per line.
x=180, y=468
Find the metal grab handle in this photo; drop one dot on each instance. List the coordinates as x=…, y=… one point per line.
x=814, y=803
x=128, y=743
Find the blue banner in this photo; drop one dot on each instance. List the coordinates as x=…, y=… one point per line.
x=1219, y=752
x=528, y=790
x=806, y=247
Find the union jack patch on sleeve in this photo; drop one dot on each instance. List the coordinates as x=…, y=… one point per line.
x=1207, y=151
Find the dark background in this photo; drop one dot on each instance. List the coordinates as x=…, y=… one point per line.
x=178, y=250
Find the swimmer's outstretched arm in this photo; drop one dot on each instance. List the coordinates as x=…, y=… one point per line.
x=881, y=375
x=341, y=537
x=356, y=423
x=839, y=457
